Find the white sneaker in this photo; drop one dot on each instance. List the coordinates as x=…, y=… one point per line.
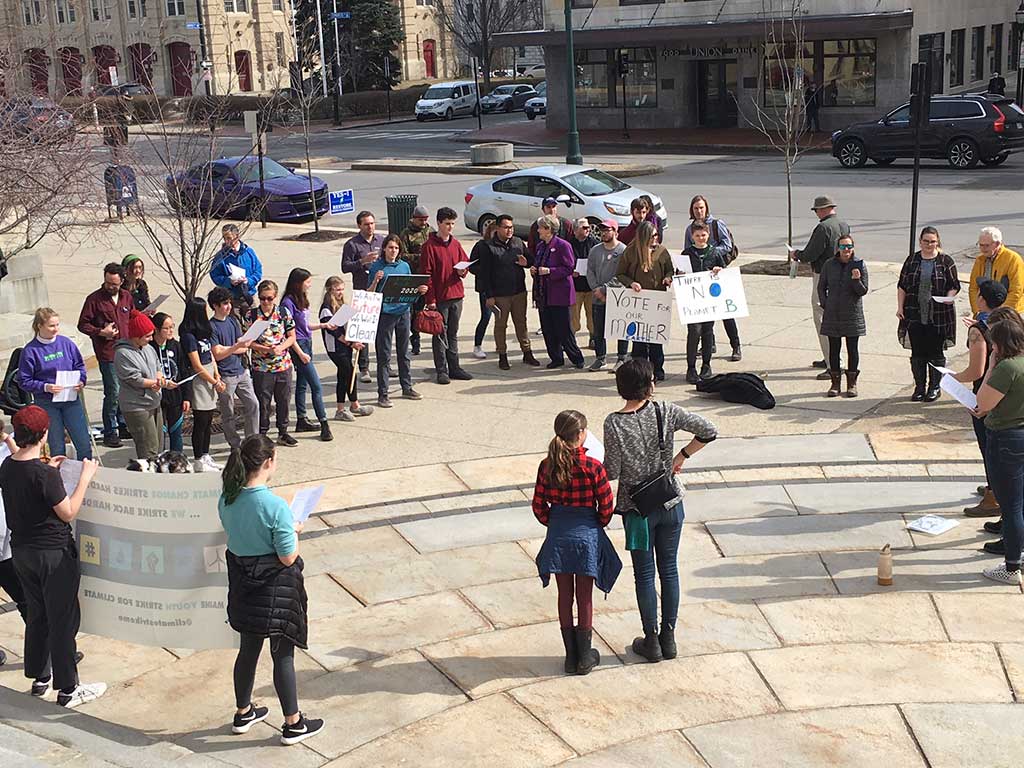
x=1003, y=576
x=479, y=354
x=208, y=464
x=83, y=694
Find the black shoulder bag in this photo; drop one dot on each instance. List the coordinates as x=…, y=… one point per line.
x=656, y=490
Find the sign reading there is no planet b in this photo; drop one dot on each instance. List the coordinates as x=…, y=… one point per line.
x=701, y=296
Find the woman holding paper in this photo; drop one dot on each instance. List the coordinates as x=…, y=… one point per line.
x=340, y=351
x=52, y=369
x=206, y=387
x=554, y=292
x=647, y=266
x=266, y=591
x=842, y=284
x=928, y=282
x=174, y=364
x=296, y=301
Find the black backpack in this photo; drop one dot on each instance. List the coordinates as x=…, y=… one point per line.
x=745, y=388
x=12, y=397
x=731, y=257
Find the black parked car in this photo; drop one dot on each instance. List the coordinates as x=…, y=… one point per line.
x=964, y=130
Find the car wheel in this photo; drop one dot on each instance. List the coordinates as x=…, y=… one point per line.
x=448, y=114
x=997, y=160
x=530, y=116
x=851, y=153
x=484, y=220
x=420, y=118
x=962, y=154
x=883, y=160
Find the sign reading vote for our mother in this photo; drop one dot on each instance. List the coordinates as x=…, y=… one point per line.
x=702, y=297
x=644, y=316
x=362, y=326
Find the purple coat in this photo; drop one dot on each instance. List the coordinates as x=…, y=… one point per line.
x=556, y=289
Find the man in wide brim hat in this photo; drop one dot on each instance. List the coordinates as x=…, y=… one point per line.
x=822, y=202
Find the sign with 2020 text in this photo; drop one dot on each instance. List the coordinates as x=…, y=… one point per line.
x=703, y=297
x=643, y=316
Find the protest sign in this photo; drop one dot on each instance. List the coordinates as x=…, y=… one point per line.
x=644, y=316
x=403, y=289
x=152, y=554
x=362, y=326
x=702, y=297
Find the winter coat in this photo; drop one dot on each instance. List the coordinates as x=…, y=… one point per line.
x=245, y=258
x=267, y=598
x=555, y=289
x=823, y=241
x=498, y=274
x=841, y=297
x=97, y=312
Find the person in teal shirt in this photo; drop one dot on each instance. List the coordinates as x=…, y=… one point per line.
x=394, y=323
x=266, y=592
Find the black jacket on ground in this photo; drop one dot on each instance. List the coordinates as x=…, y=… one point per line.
x=497, y=273
x=267, y=598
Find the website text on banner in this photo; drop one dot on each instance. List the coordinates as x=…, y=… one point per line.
x=152, y=555
x=701, y=296
x=362, y=326
x=644, y=316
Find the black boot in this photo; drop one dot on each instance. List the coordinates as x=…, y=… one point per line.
x=648, y=646
x=503, y=362
x=934, y=377
x=919, y=367
x=414, y=340
x=529, y=359
x=569, y=641
x=667, y=640
x=325, y=432
x=302, y=424
x=586, y=657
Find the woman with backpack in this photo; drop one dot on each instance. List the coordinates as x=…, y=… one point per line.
x=573, y=499
x=720, y=238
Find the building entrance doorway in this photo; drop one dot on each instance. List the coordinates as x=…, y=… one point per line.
x=716, y=93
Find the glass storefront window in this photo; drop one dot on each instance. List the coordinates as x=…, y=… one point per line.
x=843, y=69
x=592, y=77
x=783, y=66
x=641, y=81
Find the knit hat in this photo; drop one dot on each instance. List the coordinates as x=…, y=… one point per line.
x=139, y=325
x=993, y=292
x=420, y=212
x=130, y=258
x=32, y=418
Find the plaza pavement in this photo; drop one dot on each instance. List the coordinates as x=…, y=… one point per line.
x=432, y=642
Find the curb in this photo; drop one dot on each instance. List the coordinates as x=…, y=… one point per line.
x=424, y=165
x=375, y=124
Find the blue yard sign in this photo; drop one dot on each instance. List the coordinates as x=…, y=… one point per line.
x=193, y=25
x=342, y=201
x=339, y=15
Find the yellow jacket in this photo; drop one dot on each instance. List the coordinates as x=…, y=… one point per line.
x=1006, y=264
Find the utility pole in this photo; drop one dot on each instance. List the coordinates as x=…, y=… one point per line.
x=920, y=108
x=1019, y=24
x=207, y=73
x=623, y=71
x=337, y=68
x=323, y=64
x=573, y=154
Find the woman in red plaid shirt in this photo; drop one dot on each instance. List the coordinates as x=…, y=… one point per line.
x=574, y=500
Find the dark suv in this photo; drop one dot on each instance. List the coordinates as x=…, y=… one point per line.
x=963, y=129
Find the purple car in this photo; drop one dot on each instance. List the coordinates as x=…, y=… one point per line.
x=232, y=185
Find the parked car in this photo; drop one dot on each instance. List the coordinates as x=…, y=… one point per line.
x=537, y=70
x=964, y=130
x=582, y=189
x=538, y=105
x=231, y=185
x=37, y=117
x=124, y=89
x=502, y=73
x=447, y=100
x=506, y=98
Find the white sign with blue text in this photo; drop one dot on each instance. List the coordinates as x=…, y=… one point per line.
x=702, y=297
x=643, y=316
x=342, y=201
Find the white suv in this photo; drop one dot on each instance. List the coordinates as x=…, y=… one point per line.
x=446, y=100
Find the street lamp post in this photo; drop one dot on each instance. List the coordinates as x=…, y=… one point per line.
x=1019, y=19
x=573, y=154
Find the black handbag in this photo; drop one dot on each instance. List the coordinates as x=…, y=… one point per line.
x=656, y=490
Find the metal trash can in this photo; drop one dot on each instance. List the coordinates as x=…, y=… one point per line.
x=399, y=211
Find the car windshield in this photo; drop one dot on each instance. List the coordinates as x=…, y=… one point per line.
x=542, y=89
x=503, y=90
x=594, y=183
x=438, y=93
x=249, y=170
x=1009, y=108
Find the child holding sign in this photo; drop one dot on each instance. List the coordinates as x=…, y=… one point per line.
x=340, y=351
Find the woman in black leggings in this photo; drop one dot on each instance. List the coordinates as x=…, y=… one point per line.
x=341, y=352
x=841, y=289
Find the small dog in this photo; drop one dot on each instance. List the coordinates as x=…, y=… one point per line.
x=168, y=462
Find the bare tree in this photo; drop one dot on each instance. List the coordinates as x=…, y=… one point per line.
x=473, y=24
x=779, y=112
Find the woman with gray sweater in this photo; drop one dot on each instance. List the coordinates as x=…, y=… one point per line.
x=634, y=451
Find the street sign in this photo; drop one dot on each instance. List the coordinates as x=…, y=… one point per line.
x=193, y=25
x=339, y=15
x=342, y=201
x=113, y=75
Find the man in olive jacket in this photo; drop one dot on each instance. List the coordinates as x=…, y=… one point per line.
x=820, y=248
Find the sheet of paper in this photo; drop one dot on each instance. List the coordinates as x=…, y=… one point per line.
x=790, y=248
x=156, y=303
x=794, y=265
x=186, y=381
x=940, y=369
x=681, y=263
x=255, y=330
x=960, y=392
x=235, y=272
x=581, y=267
x=465, y=264
x=933, y=525
x=70, y=472
x=593, y=447
x=342, y=316
x=944, y=299
x=68, y=380
x=305, y=502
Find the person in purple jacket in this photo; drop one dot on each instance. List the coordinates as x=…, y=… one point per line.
x=554, y=292
x=41, y=358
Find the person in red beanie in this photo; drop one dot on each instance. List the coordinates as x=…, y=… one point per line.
x=140, y=378
x=38, y=512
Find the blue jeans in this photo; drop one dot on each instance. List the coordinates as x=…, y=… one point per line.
x=665, y=526
x=1005, y=463
x=69, y=416
x=306, y=376
x=112, y=417
x=600, y=342
x=393, y=328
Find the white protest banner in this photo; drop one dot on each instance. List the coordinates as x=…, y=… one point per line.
x=644, y=316
x=701, y=296
x=152, y=554
x=362, y=326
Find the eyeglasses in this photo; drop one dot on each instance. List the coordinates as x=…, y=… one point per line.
x=504, y=226
x=267, y=298
x=846, y=247
x=582, y=228
x=929, y=242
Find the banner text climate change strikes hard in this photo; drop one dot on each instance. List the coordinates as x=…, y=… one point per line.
x=143, y=502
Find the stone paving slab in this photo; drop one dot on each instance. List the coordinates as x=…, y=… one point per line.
x=595, y=711
x=663, y=750
x=380, y=630
x=1013, y=658
x=808, y=677
x=727, y=503
x=983, y=618
x=902, y=497
x=784, y=449
x=335, y=552
x=524, y=601
x=375, y=514
x=808, y=533
x=883, y=618
x=456, y=531
x=499, y=471
x=508, y=658
x=853, y=737
x=493, y=732
x=755, y=578
x=968, y=534
x=968, y=735
x=847, y=471
x=327, y=597
x=260, y=746
x=953, y=570
x=475, y=500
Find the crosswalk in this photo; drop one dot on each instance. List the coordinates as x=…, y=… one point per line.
x=424, y=134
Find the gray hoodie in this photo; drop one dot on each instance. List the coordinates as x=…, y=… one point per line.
x=602, y=266
x=132, y=365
